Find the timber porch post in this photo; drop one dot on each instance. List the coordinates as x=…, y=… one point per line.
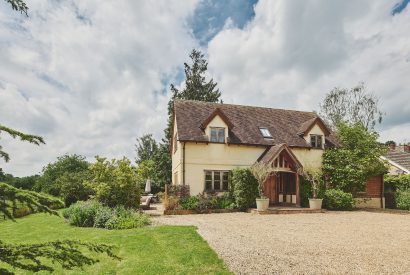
x=297, y=190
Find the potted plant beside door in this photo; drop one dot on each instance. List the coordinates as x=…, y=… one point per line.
x=314, y=175
x=261, y=171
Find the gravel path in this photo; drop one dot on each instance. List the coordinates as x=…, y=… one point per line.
x=329, y=243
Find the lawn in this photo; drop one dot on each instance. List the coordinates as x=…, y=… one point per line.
x=150, y=250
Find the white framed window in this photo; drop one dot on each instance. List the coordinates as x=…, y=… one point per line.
x=316, y=141
x=265, y=132
x=217, y=134
x=216, y=181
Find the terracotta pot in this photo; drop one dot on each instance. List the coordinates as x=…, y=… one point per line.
x=262, y=204
x=315, y=203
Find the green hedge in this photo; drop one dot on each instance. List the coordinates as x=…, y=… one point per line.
x=403, y=200
x=394, y=183
x=245, y=188
x=338, y=200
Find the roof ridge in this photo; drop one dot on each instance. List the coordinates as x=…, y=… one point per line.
x=248, y=106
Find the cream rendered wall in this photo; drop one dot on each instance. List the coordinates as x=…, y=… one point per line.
x=215, y=156
x=200, y=157
x=176, y=159
x=310, y=157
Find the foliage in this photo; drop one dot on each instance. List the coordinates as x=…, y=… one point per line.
x=338, y=200
x=163, y=165
x=204, y=201
x=23, y=137
x=32, y=257
x=314, y=176
x=181, y=191
x=73, y=188
x=403, y=199
x=67, y=253
x=305, y=192
x=49, y=183
x=262, y=171
x=354, y=106
x=26, y=183
x=146, y=148
x=245, y=188
x=94, y=214
x=148, y=250
x=11, y=196
x=115, y=182
x=171, y=202
x=18, y=5
x=348, y=167
x=396, y=182
x=190, y=202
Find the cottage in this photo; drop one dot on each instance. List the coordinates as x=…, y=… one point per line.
x=211, y=139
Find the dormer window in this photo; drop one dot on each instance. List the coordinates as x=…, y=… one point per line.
x=265, y=132
x=218, y=134
x=316, y=141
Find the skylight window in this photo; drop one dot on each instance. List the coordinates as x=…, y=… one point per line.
x=265, y=132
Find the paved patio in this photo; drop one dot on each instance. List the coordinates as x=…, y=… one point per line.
x=327, y=243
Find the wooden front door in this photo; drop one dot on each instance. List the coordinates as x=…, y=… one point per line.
x=269, y=189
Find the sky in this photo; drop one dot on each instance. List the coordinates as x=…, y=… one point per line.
x=92, y=76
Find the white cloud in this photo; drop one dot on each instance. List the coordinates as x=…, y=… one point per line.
x=88, y=75
x=294, y=52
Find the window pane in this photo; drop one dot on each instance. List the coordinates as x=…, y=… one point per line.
x=208, y=185
x=221, y=135
x=214, y=137
x=217, y=180
x=313, y=141
x=208, y=180
x=319, y=141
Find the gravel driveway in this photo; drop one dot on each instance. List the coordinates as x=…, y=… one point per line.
x=327, y=243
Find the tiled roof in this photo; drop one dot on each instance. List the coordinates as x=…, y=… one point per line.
x=284, y=125
x=401, y=158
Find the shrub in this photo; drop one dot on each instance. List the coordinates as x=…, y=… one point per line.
x=82, y=213
x=395, y=183
x=180, y=191
x=245, y=188
x=171, y=202
x=115, y=182
x=403, y=200
x=190, y=202
x=338, y=200
x=94, y=214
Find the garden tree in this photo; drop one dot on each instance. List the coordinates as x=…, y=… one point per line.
x=26, y=183
x=24, y=137
x=115, y=182
x=196, y=88
x=351, y=106
x=37, y=257
x=314, y=176
x=349, y=166
x=73, y=187
x=390, y=142
x=18, y=5
x=48, y=182
x=262, y=171
x=245, y=188
x=146, y=148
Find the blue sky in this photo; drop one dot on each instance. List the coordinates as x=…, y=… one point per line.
x=91, y=76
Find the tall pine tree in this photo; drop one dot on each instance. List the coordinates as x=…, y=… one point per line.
x=196, y=88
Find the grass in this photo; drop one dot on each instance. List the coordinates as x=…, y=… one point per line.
x=149, y=250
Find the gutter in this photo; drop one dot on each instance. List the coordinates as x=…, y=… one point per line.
x=183, y=163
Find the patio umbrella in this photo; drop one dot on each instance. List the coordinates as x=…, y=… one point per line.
x=148, y=186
